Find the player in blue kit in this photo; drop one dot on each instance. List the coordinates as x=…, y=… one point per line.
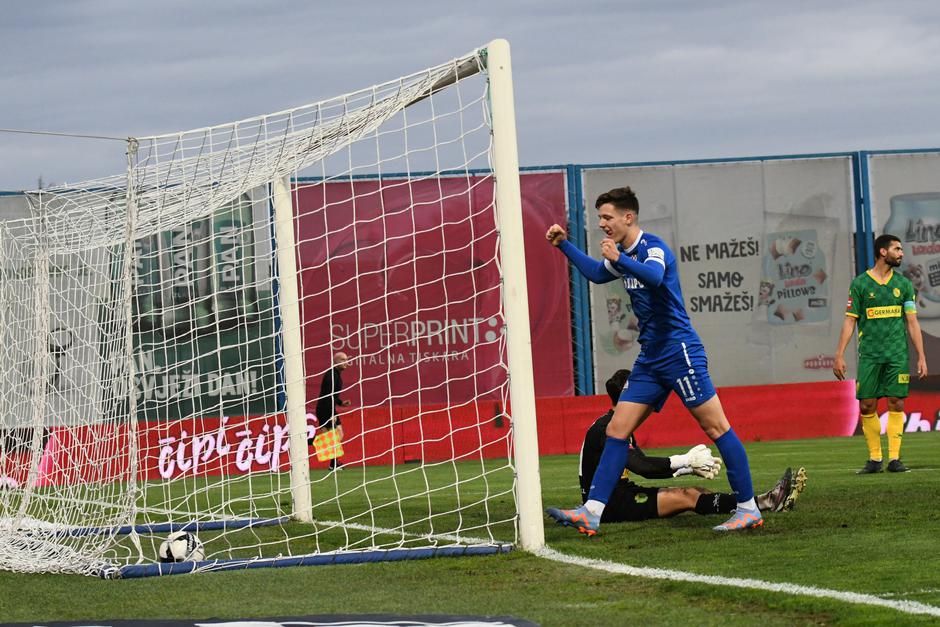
x=671, y=358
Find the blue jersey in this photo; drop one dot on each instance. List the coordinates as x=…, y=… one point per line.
x=660, y=310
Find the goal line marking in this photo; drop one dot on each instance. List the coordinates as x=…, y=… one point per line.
x=907, y=607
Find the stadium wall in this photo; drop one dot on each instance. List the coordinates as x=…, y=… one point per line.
x=446, y=336
x=765, y=258
x=842, y=199
x=904, y=200
x=767, y=247
x=236, y=445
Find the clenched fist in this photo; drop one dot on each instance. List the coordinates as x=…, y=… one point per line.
x=556, y=235
x=609, y=249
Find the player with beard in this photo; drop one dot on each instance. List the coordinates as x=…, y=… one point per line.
x=882, y=303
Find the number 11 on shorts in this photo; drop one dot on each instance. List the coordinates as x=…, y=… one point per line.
x=685, y=387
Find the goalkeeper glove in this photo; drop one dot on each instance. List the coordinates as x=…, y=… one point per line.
x=703, y=463
x=698, y=460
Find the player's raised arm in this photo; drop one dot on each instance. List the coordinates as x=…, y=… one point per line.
x=592, y=269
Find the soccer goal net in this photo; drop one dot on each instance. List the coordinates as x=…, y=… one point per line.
x=289, y=336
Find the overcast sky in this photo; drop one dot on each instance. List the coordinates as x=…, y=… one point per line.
x=596, y=81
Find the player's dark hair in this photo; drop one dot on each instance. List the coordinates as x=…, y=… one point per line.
x=884, y=241
x=615, y=384
x=621, y=197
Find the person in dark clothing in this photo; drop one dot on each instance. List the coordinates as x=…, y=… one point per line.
x=329, y=399
x=631, y=502
x=60, y=340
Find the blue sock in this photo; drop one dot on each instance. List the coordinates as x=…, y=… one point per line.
x=609, y=469
x=739, y=472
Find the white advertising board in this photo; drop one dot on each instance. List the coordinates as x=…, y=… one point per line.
x=765, y=257
x=905, y=201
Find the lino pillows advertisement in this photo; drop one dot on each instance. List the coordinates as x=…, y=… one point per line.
x=794, y=287
x=764, y=253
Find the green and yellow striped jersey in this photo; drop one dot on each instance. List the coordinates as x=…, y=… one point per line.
x=880, y=309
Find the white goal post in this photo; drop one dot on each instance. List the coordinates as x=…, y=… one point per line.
x=172, y=339
x=519, y=342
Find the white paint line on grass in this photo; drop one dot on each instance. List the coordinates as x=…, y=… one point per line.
x=911, y=592
x=907, y=607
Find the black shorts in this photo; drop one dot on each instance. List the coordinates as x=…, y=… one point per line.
x=631, y=503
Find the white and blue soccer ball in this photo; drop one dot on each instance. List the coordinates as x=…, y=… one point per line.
x=182, y=546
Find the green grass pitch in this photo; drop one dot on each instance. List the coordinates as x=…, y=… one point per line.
x=875, y=534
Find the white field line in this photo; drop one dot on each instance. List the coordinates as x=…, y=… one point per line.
x=911, y=592
x=907, y=607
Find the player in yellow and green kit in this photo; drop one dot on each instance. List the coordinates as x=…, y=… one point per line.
x=882, y=303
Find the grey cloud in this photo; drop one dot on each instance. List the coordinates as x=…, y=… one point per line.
x=595, y=81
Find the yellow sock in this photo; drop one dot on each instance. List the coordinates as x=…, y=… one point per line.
x=871, y=429
x=895, y=429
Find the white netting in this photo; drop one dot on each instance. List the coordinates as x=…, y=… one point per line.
x=174, y=280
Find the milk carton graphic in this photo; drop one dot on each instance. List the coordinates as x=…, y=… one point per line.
x=915, y=219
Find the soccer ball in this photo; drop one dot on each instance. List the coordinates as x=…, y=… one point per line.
x=181, y=546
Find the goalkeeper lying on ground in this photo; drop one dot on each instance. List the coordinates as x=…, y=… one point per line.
x=630, y=501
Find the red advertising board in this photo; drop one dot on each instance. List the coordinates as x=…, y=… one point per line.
x=428, y=433
x=259, y=444
x=403, y=275
x=921, y=412
x=790, y=411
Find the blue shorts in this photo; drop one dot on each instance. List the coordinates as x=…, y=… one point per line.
x=659, y=370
